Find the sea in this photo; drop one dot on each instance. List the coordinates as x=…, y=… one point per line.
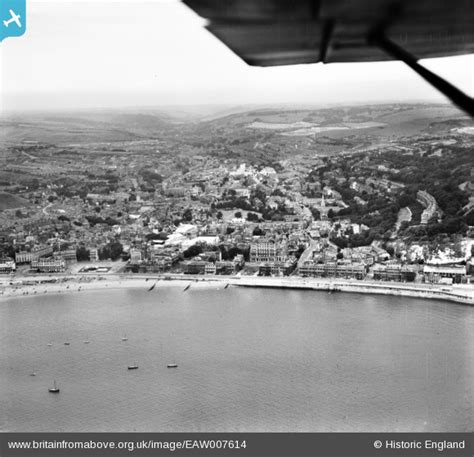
x=249, y=360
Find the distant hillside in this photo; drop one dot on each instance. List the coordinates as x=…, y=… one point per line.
x=9, y=201
x=387, y=120
x=96, y=126
x=109, y=126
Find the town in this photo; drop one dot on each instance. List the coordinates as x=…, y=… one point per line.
x=245, y=196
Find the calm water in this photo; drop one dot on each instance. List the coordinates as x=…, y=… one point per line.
x=249, y=360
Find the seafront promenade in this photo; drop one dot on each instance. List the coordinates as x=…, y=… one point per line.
x=459, y=294
x=21, y=286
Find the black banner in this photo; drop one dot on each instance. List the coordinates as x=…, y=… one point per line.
x=236, y=444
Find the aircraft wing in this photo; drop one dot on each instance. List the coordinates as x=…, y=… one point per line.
x=285, y=32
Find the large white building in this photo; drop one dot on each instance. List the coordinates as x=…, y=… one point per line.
x=268, y=252
x=7, y=265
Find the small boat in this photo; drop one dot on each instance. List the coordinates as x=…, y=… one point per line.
x=226, y=286
x=152, y=287
x=187, y=287
x=86, y=341
x=54, y=390
x=172, y=365
x=67, y=343
x=133, y=367
x=124, y=338
x=33, y=373
x=49, y=344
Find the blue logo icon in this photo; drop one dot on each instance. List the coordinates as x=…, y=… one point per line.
x=12, y=18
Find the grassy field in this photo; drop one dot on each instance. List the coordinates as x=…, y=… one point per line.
x=9, y=201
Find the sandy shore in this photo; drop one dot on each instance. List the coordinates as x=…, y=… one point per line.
x=41, y=285
x=30, y=286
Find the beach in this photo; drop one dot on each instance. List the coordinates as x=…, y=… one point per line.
x=23, y=286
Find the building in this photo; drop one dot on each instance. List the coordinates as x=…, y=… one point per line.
x=277, y=268
x=24, y=257
x=55, y=265
x=157, y=266
x=69, y=255
x=194, y=267
x=268, y=252
x=210, y=268
x=93, y=254
x=434, y=273
x=310, y=268
x=225, y=267
x=394, y=273
x=36, y=253
x=7, y=265
x=135, y=256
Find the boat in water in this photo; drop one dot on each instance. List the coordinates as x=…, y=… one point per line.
x=124, y=338
x=54, y=389
x=67, y=343
x=187, y=287
x=133, y=367
x=172, y=365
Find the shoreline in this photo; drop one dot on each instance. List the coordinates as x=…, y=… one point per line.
x=457, y=294
x=31, y=286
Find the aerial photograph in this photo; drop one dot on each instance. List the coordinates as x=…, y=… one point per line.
x=243, y=216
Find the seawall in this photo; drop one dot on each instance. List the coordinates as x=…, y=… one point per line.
x=457, y=294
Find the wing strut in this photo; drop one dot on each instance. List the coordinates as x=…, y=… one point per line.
x=458, y=97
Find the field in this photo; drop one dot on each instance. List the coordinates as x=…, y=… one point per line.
x=8, y=201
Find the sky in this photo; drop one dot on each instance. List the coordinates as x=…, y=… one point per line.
x=102, y=54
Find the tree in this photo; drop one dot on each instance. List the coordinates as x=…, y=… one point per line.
x=82, y=254
x=316, y=214
x=188, y=215
x=257, y=231
x=238, y=214
x=157, y=236
x=219, y=215
x=104, y=253
x=469, y=218
x=192, y=251
x=340, y=242
x=112, y=250
x=116, y=250
x=299, y=252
